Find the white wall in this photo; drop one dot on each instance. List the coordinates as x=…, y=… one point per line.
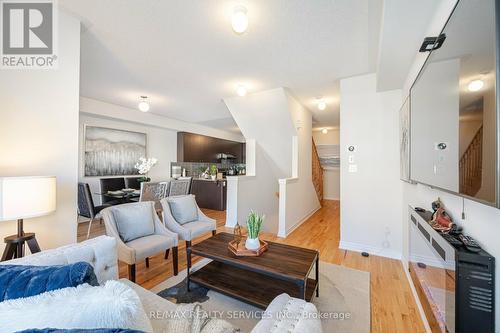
x=161, y=144
x=301, y=200
x=268, y=119
x=331, y=176
x=481, y=222
x=371, y=197
x=39, y=134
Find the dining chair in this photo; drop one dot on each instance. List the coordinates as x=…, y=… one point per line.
x=133, y=182
x=139, y=234
x=182, y=215
x=86, y=205
x=154, y=191
x=111, y=184
x=180, y=186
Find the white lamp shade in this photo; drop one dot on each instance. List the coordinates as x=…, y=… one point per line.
x=26, y=197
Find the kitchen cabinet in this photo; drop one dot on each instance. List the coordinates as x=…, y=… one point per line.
x=201, y=148
x=211, y=194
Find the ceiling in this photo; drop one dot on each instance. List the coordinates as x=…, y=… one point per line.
x=184, y=55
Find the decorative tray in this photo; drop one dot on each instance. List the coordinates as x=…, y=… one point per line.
x=240, y=250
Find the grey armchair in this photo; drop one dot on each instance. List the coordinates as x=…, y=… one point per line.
x=199, y=225
x=139, y=234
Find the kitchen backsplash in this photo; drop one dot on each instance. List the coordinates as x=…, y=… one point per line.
x=195, y=169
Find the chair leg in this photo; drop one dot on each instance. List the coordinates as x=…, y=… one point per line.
x=131, y=272
x=90, y=225
x=214, y=232
x=147, y=262
x=175, y=261
x=166, y=253
x=188, y=245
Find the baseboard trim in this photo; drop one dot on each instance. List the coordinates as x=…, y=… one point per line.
x=334, y=199
x=374, y=250
x=298, y=224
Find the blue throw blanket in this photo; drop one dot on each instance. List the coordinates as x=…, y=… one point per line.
x=24, y=281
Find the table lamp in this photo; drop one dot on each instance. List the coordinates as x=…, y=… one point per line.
x=22, y=198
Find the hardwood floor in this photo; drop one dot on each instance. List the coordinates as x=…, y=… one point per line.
x=392, y=304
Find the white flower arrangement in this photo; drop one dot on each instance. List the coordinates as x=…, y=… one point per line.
x=145, y=164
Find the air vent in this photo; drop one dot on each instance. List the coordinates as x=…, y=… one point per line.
x=480, y=298
x=424, y=232
x=413, y=219
x=439, y=249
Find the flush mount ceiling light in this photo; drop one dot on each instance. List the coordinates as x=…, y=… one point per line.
x=241, y=90
x=143, y=104
x=475, y=85
x=321, y=104
x=239, y=20
x=324, y=131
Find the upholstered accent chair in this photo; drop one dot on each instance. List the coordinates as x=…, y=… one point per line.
x=182, y=215
x=133, y=182
x=111, y=184
x=179, y=187
x=86, y=207
x=139, y=234
x=154, y=192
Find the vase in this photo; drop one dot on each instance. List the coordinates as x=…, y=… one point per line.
x=213, y=177
x=252, y=243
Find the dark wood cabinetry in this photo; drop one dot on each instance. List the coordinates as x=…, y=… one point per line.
x=210, y=194
x=200, y=148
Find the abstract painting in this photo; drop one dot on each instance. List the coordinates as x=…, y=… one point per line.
x=329, y=156
x=112, y=152
x=404, y=141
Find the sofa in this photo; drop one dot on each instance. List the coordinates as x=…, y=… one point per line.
x=101, y=253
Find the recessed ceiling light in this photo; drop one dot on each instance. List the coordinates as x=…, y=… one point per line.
x=239, y=20
x=241, y=90
x=321, y=104
x=475, y=85
x=324, y=131
x=144, y=104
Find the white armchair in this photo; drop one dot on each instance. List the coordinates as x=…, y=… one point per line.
x=198, y=225
x=139, y=234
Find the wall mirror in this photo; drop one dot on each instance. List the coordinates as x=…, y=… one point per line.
x=454, y=107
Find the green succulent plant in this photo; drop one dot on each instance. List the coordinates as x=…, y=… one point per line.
x=254, y=224
x=213, y=170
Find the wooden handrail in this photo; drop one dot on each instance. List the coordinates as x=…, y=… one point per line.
x=317, y=172
x=471, y=165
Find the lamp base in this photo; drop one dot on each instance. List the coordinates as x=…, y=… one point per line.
x=15, y=243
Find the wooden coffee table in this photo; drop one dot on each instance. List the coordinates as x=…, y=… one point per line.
x=255, y=280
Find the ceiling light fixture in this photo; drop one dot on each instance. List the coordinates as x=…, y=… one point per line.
x=321, y=104
x=241, y=90
x=475, y=85
x=239, y=20
x=324, y=131
x=144, y=104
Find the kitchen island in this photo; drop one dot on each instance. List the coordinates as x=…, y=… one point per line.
x=210, y=193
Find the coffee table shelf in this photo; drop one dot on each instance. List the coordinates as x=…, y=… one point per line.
x=250, y=287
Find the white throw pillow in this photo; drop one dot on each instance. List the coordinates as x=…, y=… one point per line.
x=184, y=208
x=114, y=305
x=134, y=220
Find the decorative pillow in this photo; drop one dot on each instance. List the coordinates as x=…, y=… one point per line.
x=134, y=220
x=23, y=281
x=184, y=208
x=110, y=306
x=79, y=330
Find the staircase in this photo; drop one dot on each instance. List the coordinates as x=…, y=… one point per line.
x=317, y=173
x=471, y=165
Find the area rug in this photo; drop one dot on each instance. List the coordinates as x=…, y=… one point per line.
x=344, y=299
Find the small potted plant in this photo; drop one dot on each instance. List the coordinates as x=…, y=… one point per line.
x=213, y=171
x=144, y=166
x=254, y=223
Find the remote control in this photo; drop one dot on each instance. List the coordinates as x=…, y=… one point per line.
x=452, y=240
x=470, y=243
